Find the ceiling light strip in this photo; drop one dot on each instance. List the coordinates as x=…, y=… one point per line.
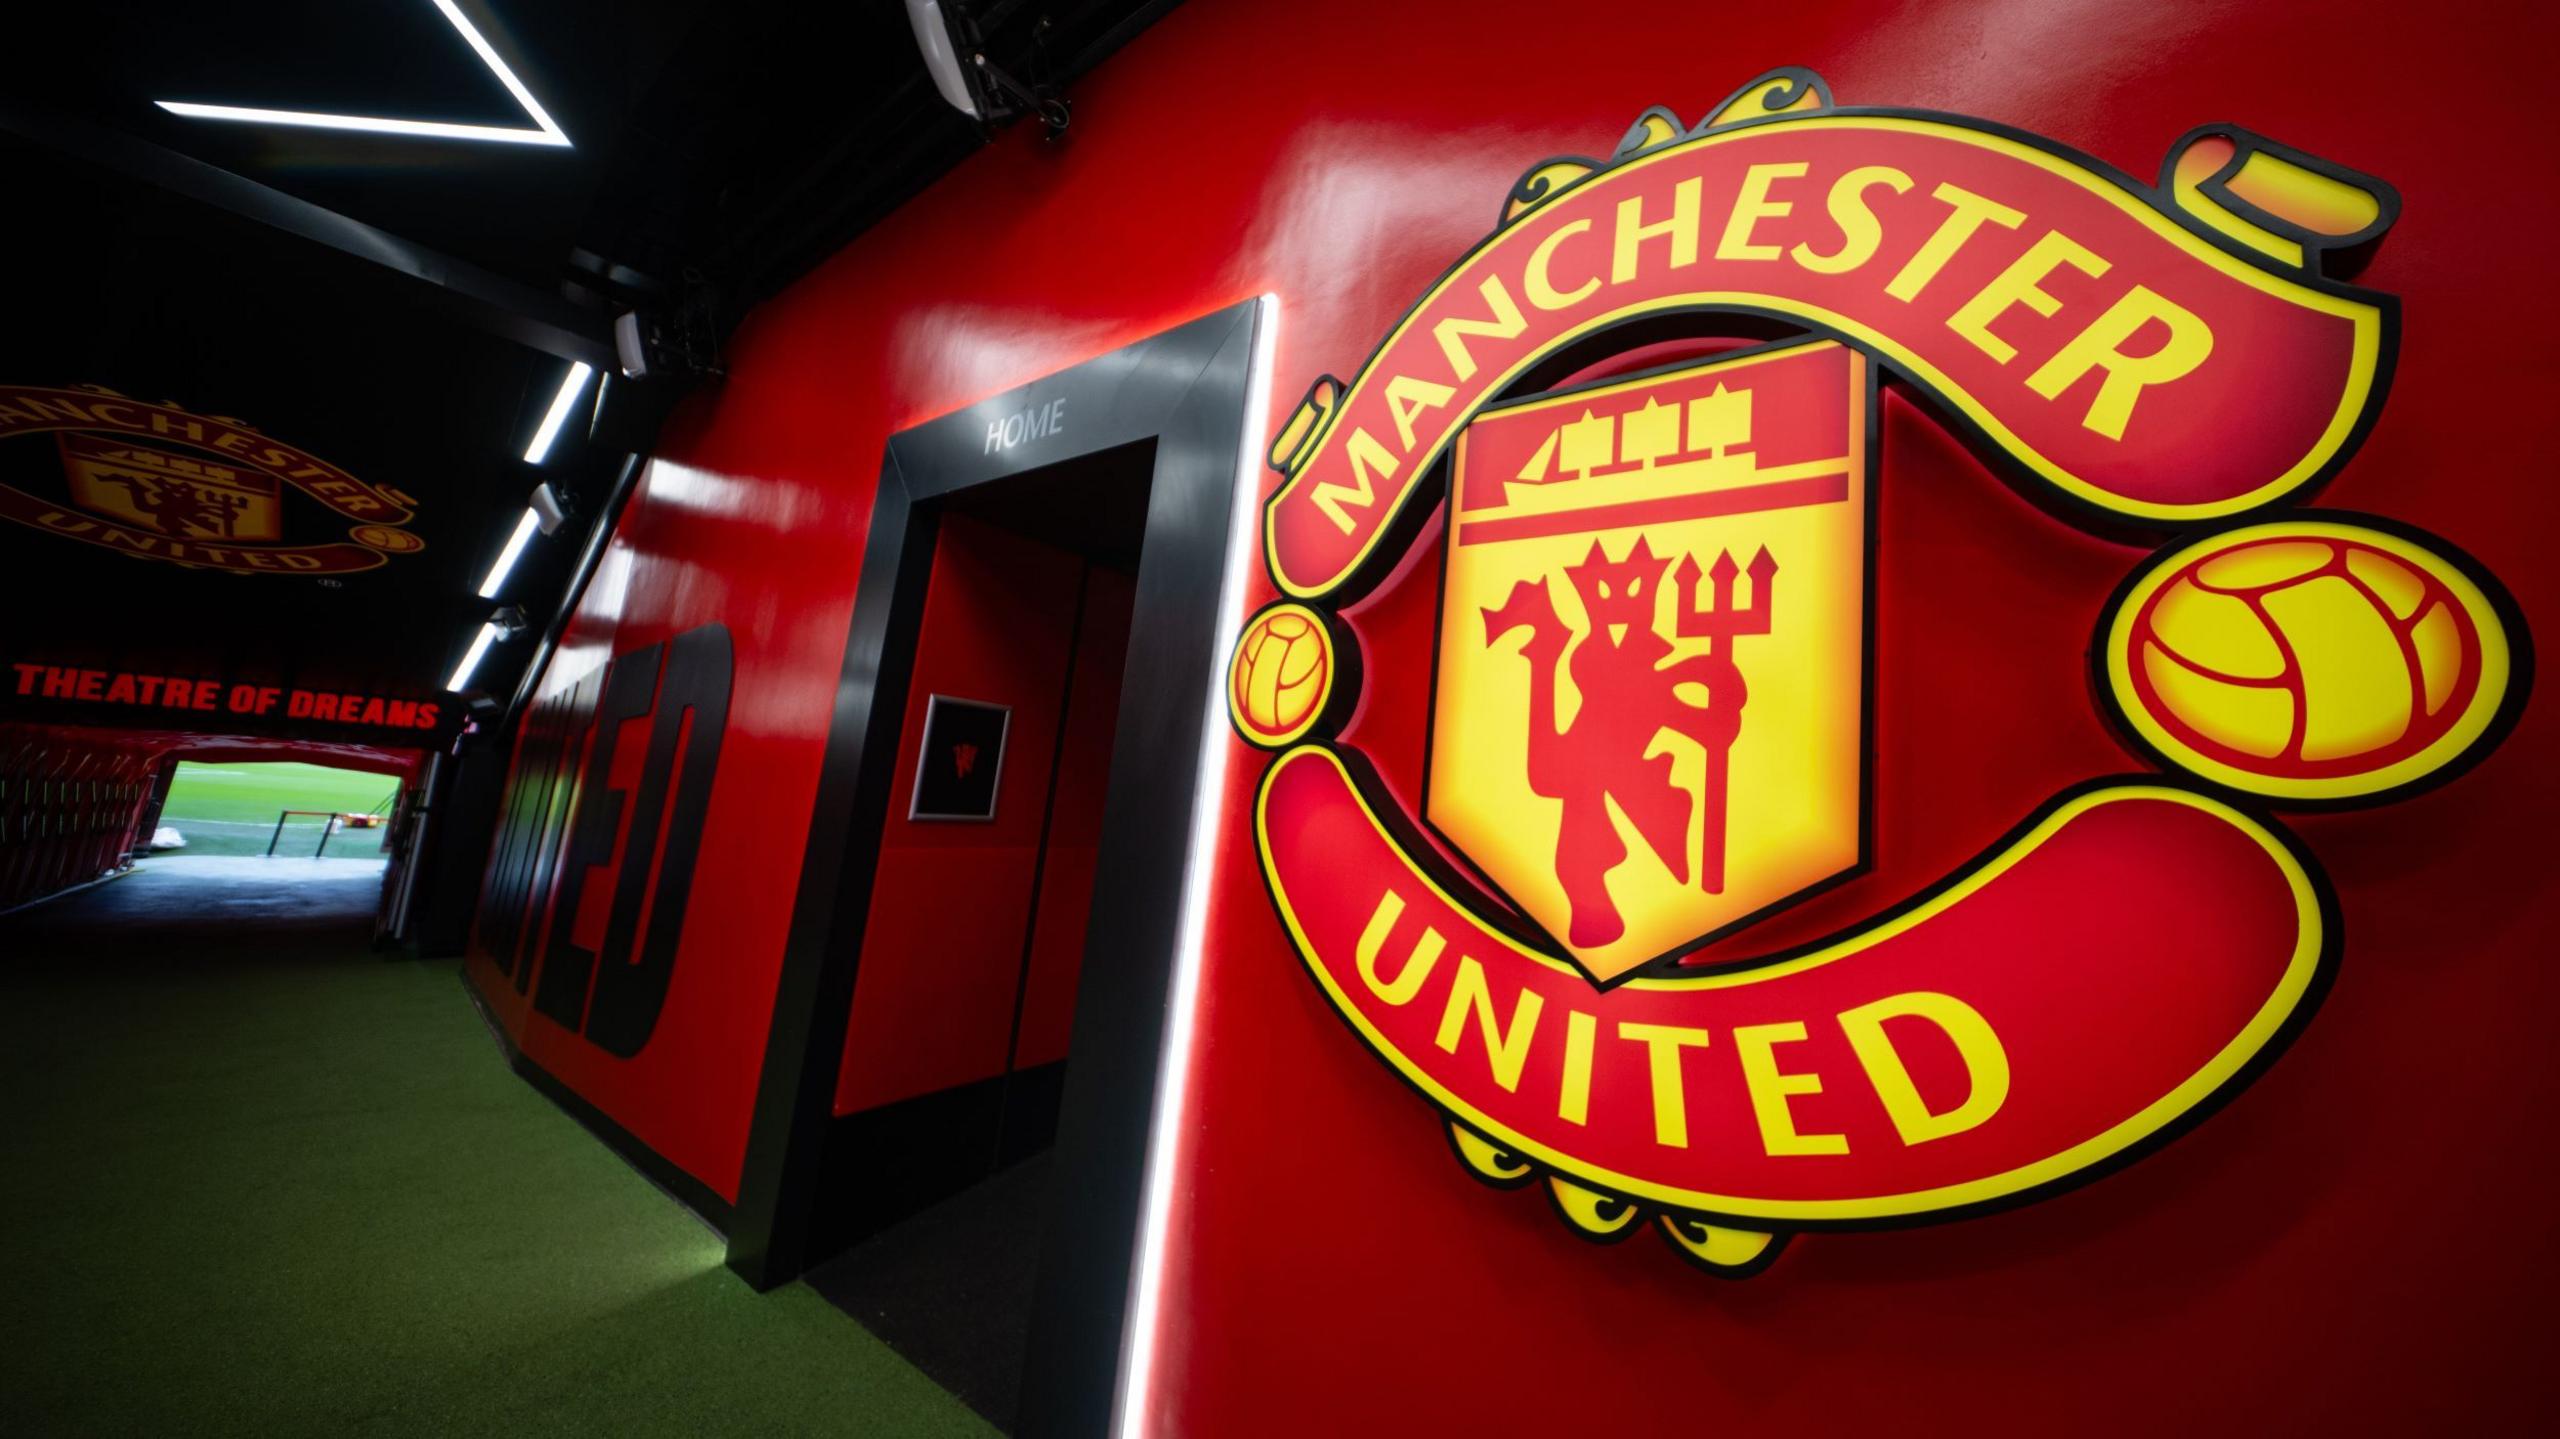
x=546, y=131
x=471, y=659
x=572, y=385
x=308, y=120
x=507, y=557
x=489, y=57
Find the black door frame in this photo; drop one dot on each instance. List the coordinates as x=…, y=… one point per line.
x=1188, y=389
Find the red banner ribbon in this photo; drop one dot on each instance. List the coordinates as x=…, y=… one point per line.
x=2114, y=966
x=2049, y=306
x=323, y=559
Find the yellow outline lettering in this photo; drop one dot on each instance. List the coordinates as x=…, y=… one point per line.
x=1507, y=1050
x=1681, y=230
x=1985, y=1062
x=1663, y=1043
x=1756, y=1046
x=1751, y=205
x=1967, y=213
x=2190, y=341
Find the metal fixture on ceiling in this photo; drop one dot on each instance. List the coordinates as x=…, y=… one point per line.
x=955, y=55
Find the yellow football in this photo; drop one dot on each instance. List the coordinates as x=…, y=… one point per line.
x=1281, y=676
x=2308, y=659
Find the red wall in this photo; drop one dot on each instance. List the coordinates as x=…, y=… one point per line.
x=942, y=951
x=1075, y=820
x=2358, y=1239
x=69, y=802
x=732, y=527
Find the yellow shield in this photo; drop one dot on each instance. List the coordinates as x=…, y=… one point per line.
x=1648, y=716
x=195, y=499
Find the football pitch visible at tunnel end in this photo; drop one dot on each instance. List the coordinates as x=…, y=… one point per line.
x=231, y=808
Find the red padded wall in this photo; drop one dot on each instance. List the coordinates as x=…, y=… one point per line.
x=2356, y=1241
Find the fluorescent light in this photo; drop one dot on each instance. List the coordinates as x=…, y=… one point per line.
x=507, y=557
x=570, y=385
x=1173, y=1071
x=304, y=119
x=471, y=659
x=547, y=132
x=498, y=67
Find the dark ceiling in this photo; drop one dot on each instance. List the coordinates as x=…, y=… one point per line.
x=729, y=135
x=718, y=149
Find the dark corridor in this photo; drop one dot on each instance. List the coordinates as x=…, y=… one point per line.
x=264, y=1179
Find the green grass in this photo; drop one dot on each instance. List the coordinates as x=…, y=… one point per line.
x=231, y=808
x=264, y=1182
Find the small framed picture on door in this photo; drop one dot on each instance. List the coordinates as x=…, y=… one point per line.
x=962, y=761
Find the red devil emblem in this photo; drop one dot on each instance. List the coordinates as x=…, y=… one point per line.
x=1634, y=687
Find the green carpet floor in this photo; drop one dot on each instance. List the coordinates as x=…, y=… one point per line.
x=261, y=1181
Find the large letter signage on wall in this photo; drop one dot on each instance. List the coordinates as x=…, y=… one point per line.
x=1650, y=704
x=594, y=859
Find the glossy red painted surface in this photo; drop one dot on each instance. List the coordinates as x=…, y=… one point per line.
x=1075, y=822
x=942, y=952
x=2356, y=1241
x=742, y=524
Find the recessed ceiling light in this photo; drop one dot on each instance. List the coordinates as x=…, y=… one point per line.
x=546, y=131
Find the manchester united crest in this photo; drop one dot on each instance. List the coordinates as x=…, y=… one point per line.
x=1650, y=686
x=157, y=482
x=1649, y=696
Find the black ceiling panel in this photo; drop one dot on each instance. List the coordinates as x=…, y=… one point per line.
x=719, y=148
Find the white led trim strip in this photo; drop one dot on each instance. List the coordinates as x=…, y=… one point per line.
x=546, y=131
x=1173, y=1069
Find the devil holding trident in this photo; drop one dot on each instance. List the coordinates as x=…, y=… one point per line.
x=1630, y=678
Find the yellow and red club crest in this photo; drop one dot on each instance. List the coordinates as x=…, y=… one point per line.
x=1647, y=723
x=157, y=482
x=1650, y=698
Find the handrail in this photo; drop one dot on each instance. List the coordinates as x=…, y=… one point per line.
x=326, y=830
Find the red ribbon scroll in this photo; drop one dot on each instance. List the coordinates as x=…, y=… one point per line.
x=2113, y=967
x=2048, y=306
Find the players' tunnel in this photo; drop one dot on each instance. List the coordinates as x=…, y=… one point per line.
x=79, y=806
x=1104, y=717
